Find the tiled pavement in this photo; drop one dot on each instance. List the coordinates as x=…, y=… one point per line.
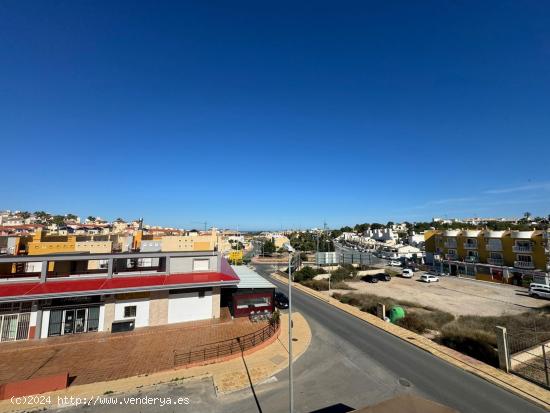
x=94, y=357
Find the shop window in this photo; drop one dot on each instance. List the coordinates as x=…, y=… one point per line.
x=254, y=302
x=130, y=311
x=93, y=318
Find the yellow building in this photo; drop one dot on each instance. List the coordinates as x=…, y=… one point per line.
x=501, y=256
x=198, y=242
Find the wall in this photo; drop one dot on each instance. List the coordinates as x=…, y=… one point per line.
x=185, y=264
x=142, y=311
x=158, y=308
x=188, y=306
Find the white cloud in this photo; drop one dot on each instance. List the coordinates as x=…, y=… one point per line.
x=531, y=187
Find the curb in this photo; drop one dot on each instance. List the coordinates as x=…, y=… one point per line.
x=451, y=356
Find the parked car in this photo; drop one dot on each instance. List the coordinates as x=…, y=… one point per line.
x=539, y=290
x=429, y=278
x=382, y=276
x=281, y=300
x=407, y=273
x=371, y=278
x=395, y=263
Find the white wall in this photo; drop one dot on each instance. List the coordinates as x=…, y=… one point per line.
x=142, y=311
x=45, y=323
x=189, y=307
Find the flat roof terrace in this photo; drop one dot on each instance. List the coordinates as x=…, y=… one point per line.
x=69, y=274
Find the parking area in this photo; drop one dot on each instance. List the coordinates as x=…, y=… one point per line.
x=458, y=296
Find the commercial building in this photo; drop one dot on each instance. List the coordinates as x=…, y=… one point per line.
x=59, y=294
x=516, y=257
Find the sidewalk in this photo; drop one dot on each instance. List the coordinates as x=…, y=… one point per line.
x=228, y=376
x=509, y=382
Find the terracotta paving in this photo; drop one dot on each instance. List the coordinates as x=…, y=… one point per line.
x=93, y=357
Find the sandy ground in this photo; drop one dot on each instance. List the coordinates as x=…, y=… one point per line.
x=456, y=295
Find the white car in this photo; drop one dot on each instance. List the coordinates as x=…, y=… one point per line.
x=407, y=273
x=395, y=263
x=539, y=290
x=429, y=278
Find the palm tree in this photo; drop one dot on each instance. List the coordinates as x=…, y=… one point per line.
x=527, y=215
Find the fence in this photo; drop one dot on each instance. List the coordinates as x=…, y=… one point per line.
x=529, y=354
x=225, y=348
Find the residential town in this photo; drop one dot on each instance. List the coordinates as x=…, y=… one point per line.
x=275, y=207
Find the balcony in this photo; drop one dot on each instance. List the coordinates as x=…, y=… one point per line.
x=527, y=265
x=495, y=261
x=493, y=246
x=451, y=257
x=471, y=258
x=470, y=245
x=450, y=244
x=522, y=248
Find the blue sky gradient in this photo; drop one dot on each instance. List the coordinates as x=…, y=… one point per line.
x=280, y=114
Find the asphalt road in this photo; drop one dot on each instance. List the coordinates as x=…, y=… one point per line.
x=428, y=375
x=348, y=365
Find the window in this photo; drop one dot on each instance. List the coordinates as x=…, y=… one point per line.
x=524, y=258
x=253, y=302
x=130, y=311
x=201, y=264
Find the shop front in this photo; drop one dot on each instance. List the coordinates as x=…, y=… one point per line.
x=71, y=316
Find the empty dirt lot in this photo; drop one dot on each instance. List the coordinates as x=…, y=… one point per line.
x=455, y=295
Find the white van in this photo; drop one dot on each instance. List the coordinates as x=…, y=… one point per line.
x=407, y=273
x=539, y=290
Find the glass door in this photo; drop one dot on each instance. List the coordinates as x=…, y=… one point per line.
x=69, y=322
x=80, y=321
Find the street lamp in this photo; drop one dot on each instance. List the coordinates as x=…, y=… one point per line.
x=290, y=250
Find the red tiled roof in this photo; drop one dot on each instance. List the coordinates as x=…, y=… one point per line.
x=61, y=287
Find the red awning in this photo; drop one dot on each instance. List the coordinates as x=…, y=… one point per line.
x=66, y=286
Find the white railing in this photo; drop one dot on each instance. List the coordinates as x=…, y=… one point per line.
x=529, y=265
x=470, y=245
x=451, y=256
x=450, y=244
x=495, y=261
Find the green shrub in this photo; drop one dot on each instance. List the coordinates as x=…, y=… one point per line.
x=479, y=344
x=317, y=285
x=413, y=322
x=307, y=273
x=341, y=286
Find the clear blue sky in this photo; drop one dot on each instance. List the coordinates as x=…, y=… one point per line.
x=275, y=114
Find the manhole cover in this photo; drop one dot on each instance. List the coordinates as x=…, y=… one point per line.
x=404, y=382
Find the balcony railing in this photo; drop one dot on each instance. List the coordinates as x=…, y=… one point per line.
x=451, y=257
x=493, y=247
x=470, y=245
x=522, y=248
x=450, y=244
x=495, y=261
x=471, y=258
x=528, y=265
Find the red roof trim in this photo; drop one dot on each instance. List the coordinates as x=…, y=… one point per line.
x=111, y=285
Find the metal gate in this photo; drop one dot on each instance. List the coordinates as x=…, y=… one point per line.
x=529, y=354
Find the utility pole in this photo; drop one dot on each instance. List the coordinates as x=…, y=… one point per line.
x=290, y=375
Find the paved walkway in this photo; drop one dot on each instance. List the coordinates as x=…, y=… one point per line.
x=240, y=373
x=94, y=357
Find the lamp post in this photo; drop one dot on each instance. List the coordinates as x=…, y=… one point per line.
x=290, y=379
